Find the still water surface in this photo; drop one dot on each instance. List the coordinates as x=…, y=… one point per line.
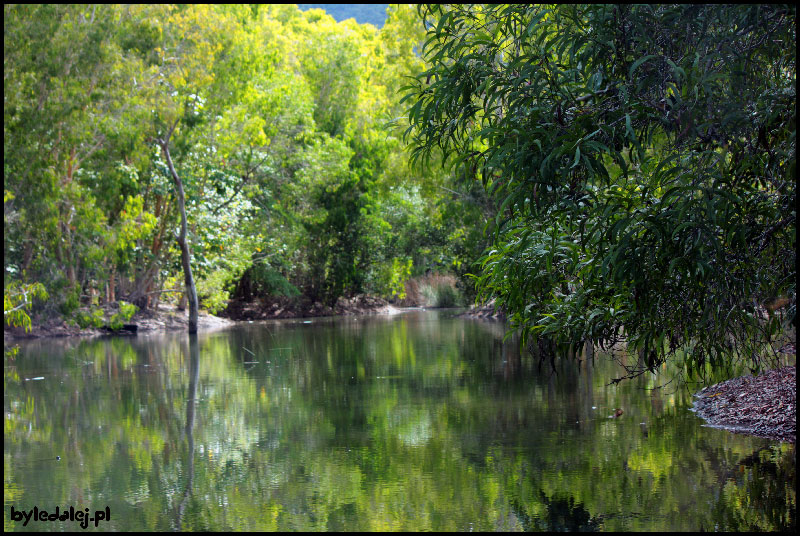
x=421, y=421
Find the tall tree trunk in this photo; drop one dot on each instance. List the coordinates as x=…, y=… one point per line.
x=191, y=291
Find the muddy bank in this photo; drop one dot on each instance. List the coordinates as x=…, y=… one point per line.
x=763, y=405
x=264, y=309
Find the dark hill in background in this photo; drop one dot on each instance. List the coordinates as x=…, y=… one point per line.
x=372, y=13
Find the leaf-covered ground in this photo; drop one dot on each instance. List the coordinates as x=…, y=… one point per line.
x=763, y=405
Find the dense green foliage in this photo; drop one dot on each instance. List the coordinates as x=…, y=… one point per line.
x=276, y=123
x=644, y=160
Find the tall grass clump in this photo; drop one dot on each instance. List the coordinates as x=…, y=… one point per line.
x=433, y=290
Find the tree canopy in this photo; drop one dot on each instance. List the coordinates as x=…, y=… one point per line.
x=644, y=161
x=632, y=166
x=259, y=137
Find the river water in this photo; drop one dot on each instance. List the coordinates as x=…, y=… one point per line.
x=418, y=421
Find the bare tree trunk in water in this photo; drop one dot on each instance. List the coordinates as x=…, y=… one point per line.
x=191, y=291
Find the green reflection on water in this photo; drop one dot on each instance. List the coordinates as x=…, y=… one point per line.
x=421, y=421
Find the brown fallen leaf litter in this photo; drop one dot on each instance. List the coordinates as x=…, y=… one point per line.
x=763, y=405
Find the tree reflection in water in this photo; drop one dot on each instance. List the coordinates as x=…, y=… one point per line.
x=419, y=422
x=561, y=515
x=191, y=404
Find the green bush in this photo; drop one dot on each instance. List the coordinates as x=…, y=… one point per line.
x=90, y=319
x=447, y=296
x=72, y=300
x=17, y=298
x=126, y=311
x=391, y=276
x=263, y=280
